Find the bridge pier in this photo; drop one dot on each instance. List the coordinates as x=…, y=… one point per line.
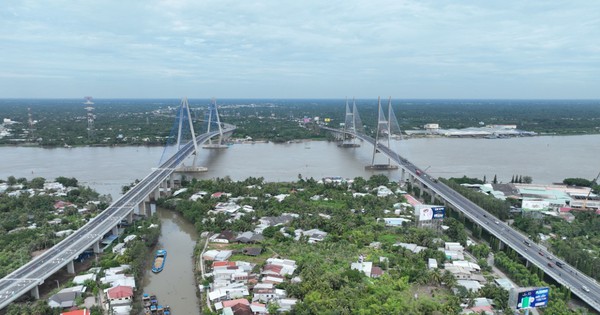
x=142, y=208
x=71, y=267
x=130, y=217
x=97, y=249
x=35, y=292
x=402, y=175
x=115, y=230
x=171, y=182
x=156, y=193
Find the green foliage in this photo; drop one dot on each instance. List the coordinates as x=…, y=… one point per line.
x=499, y=208
x=466, y=180
x=576, y=181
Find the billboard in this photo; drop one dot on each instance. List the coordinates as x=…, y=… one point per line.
x=530, y=298
x=534, y=205
x=429, y=212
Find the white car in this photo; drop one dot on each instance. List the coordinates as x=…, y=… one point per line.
x=585, y=289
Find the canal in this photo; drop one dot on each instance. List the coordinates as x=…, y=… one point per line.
x=175, y=285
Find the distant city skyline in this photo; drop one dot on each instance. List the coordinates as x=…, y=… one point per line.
x=301, y=49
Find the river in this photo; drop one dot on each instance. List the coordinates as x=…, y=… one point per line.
x=546, y=159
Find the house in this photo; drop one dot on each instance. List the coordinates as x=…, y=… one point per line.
x=395, y=221
x=365, y=267
x=83, y=278
x=432, y=263
x=376, y=272
x=249, y=237
x=120, y=295
x=258, y=308
x=252, y=251
x=315, y=235
x=411, y=247
x=63, y=299
x=84, y=311
x=238, y=309
x=285, y=305
x=470, y=285
x=225, y=237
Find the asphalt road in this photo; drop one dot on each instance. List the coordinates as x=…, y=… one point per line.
x=27, y=277
x=586, y=288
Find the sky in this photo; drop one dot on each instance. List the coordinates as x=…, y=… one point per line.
x=300, y=49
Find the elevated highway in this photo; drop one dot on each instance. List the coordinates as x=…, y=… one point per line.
x=27, y=278
x=586, y=288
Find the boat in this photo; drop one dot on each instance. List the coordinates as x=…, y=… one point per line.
x=151, y=306
x=159, y=260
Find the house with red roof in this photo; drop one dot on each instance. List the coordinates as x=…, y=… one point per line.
x=120, y=295
x=84, y=311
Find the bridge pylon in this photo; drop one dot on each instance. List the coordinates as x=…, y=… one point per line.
x=184, y=114
x=352, y=125
x=384, y=130
x=214, y=123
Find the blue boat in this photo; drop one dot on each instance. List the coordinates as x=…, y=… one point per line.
x=159, y=260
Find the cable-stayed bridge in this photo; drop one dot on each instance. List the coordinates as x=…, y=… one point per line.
x=27, y=278
x=586, y=288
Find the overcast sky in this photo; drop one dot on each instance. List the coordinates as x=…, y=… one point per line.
x=300, y=49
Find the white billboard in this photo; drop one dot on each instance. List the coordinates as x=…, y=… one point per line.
x=535, y=205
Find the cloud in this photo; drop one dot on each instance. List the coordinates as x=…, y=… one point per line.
x=259, y=47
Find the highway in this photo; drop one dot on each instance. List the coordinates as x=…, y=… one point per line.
x=32, y=274
x=586, y=288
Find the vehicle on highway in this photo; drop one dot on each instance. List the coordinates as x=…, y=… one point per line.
x=559, y=264
x=585, y=289
x=418, y=172
x=550, y=265
x=527, y=243
x=541, y=254
x=485, y=215
x=496, y=221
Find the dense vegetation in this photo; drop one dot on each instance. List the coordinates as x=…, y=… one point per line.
x=328, y=285
x=150, y=122
x=25, y=218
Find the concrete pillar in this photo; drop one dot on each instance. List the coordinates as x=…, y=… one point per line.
x=142, y=208
x=130, y=217
x=402, y=175
x=432, y=194
x=527, y=263
x=97, y=249
x=156, y=193
x=171, y=181
x=500, y=245
x=115, y=230
x=35, y=292
x=71, y=267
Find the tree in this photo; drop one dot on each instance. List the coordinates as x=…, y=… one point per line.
x=37, y=183
x=512, y=179
x=484, y=179
x=527, y=179
x=495, y=180
x=67, y=182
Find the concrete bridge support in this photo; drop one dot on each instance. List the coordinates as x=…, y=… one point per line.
x=115, y=230
x=97, y=249
x=142, y=208
x=71, y=267
x=402, y=177
x=35, y=292
x=156, y=193
x=130, y=217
